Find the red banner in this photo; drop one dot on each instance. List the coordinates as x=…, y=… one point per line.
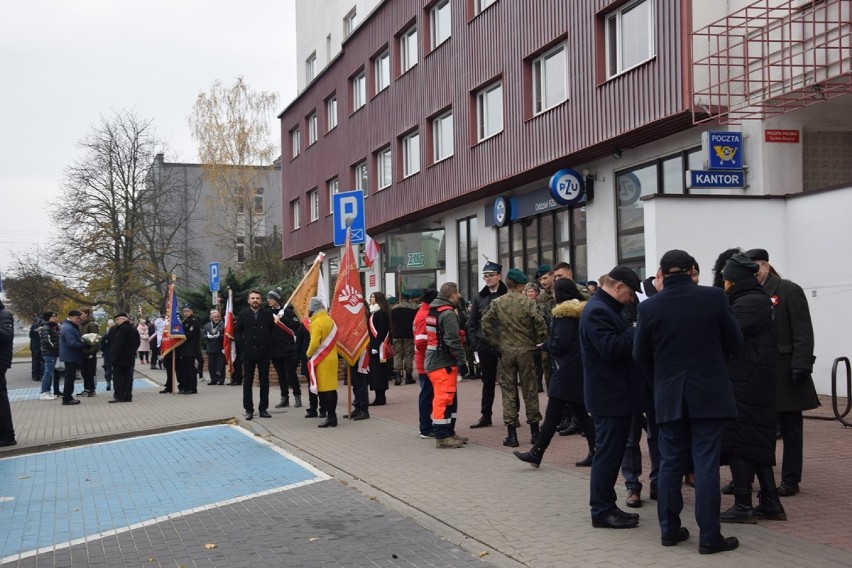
x=348, y=309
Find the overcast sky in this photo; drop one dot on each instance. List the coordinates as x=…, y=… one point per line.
x=64, y=63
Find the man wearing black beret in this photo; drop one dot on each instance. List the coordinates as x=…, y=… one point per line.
x=795, y=390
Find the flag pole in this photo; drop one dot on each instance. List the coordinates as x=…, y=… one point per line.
x=319, y=258
x=348, y=389
x=172, y=300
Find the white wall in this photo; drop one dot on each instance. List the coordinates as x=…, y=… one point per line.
x=803, y=236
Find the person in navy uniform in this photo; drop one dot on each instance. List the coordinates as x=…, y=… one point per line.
x=686, y=333
x=613, y=387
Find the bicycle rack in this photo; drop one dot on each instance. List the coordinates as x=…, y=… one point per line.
x=837, y=413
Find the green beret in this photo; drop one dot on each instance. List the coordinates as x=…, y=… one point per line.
x=542, y=270
x=517, y=276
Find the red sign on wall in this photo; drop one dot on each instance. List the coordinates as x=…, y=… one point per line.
x=372, y=280
x=788, y=136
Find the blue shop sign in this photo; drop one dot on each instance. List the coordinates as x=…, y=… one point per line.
x=567, y=187
x=722, y=150
x=715, y=179
x=504, y=210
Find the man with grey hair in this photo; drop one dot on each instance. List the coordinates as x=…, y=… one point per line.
x=214, y=333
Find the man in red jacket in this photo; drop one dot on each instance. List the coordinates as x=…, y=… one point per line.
x=420, y=341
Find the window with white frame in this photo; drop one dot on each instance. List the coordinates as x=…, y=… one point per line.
x=359, y=91
x=442, y=136
x=295, y=142
x=411, y=154
x=294, y=210
x=440, y=23
x=629, y=36
x=331, y=113
x=313, y=126
x=489, y=111
x=549, y=79
x=311, y=67
x=383, y=168
x=258, y=200
x=483, y=4
x=350, y=22
x=382, y=70
x=408, y=49
x=241, y=249
x=313, y=201
x=361, y=176
x=333, y=186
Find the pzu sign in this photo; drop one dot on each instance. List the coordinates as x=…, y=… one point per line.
x=348, y=211
x=567, y=187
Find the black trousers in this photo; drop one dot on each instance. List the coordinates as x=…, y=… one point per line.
x=288, y=380
x=70, y=377
x=328, y=401
x=488, y=367
x=216, y=367
x=155, y=353
x=7, y=430
x=187, y=376
x=793, y=434
x=122, y=378
x=249, y=366
x=88, y=370
x=743, y=472
x=167, y=363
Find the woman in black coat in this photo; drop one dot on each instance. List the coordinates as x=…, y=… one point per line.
x=380, y=328
x=566, y=379
x=748, y=444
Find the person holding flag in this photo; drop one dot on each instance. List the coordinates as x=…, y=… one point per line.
x=283, y=351
x=322, y=360
x=173, y=337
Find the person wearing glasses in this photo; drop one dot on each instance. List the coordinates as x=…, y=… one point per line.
x=487, y=353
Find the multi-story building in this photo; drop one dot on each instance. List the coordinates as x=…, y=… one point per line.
x=217, y=214
x=453, y=117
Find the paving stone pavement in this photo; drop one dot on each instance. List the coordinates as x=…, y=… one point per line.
x=479, y=498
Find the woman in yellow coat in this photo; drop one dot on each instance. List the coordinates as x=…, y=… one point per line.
x=322, y=360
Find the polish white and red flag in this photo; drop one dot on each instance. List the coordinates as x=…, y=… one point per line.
x=228, y=346
x=371, y=250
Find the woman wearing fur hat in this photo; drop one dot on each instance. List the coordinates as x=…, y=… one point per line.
x=566, y=380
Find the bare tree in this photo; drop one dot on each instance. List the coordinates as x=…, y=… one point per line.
x=101, y=210
x=32, y=288
x=237, y=148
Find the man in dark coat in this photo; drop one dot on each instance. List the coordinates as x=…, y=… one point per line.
x=686, y=332
x=35, y=349
x=187, y=353
x=7, y=337
x=795, y=389
x=214, y=332
x=488, y=358
x=283, y=351
x=71, y=348
x=89, y=366
x=613, y=390
x=253, y=331
x=123, y=342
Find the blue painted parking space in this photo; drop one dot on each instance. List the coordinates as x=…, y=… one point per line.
x=56, y=499
x=33, y=393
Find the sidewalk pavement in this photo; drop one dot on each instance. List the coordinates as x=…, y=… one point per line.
x=479, y=497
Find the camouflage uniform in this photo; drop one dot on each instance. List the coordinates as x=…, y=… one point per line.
x=546, y=303
x=515, y=325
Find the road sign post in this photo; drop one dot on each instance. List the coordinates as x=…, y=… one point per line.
x=348, y=211
x=214, y=276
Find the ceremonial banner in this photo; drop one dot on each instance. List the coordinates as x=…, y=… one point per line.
x=347, y=307
x=173, y=334
x=229, y=347
x=307, y=288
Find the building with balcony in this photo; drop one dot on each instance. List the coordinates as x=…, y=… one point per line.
x=454, y=115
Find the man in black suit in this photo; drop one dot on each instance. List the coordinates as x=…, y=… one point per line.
x=253, y=332
x=613, y=387
x=123, y=341
x=685, y=332
x=187, y=353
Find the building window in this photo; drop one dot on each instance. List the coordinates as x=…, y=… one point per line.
x=311, y=67
x=359, y=91
x=411, y=154
x=549, y=80
x=333, y=186
x=483, y=4
x=294, y=213
x=440, y=23
x=629, y=37
x=489, y=111
x=383, y=168
x=442, y=137
x=295, y=142
x=382, y=70
x=361, y=178
x=350, y=22
x=331, y=113
x=408, y=50
x=313, y=125
x=258, y=200
x=468, y=256
x=241, y=249
x=240, y=200
x=313, y=201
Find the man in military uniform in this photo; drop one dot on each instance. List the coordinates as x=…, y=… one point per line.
x=513, y=323
x=402, y=322
x=545, y=302
x=187, y=352
x=795, y=389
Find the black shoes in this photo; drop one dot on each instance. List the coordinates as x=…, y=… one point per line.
x=285, y=403
x=511, y=440
x=535, y=433
x=483, y=422
x=114, y=400
x=329, y=423
x=311, y=413
x=360, y=415
x=109, y=386
x=681, y=535
x=788, y=489
x=264, y=414
x=532, y=457
x=70, y=402
x=7, y=442
x=723, y=545
x=193, y=391
x=165, y=391
x=249, y=415
x=614, y=521
x=573, y=428
x=587, y=461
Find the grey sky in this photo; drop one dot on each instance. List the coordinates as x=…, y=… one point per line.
x=64, y=63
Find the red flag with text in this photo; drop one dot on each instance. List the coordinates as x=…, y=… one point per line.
x=347, y=307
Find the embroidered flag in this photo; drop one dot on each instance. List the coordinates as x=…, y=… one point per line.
x=347, y=307
x=307, y=288
x=173, y=334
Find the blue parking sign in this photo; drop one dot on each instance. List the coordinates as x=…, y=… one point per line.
x=348, y=211
x=214, y=276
